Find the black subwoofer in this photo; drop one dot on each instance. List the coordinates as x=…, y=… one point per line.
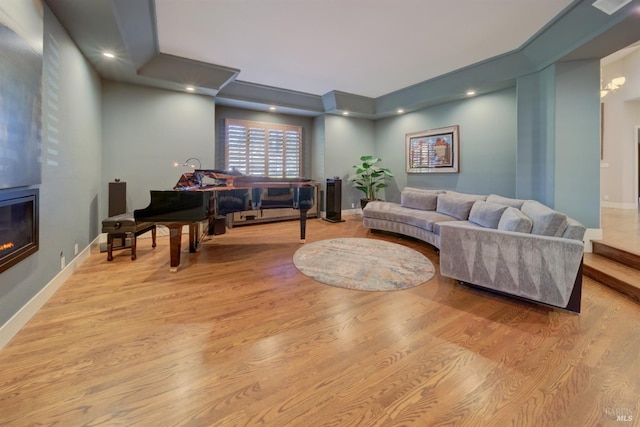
x=334, y=200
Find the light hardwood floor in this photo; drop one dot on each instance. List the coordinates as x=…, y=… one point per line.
x=239, y=337
x=621, y=227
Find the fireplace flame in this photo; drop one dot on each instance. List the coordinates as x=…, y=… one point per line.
x=6, y=246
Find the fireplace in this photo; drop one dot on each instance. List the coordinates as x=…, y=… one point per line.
x=18, y=226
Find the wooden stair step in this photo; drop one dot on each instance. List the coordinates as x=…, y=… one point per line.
x=618, y=276
x=616, y=253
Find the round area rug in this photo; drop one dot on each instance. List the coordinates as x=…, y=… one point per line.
x=363, y=264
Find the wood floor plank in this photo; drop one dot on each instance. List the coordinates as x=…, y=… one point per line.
x=239, y=337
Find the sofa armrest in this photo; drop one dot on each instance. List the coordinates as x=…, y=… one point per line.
x=539, y=268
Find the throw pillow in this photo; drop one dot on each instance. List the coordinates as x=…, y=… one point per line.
x=514, y=203
x=546, y=221
x=486, y=214
x=574, y=230
x=513, y=219
x=467, y=196
x=455, y=206
x=419, y=199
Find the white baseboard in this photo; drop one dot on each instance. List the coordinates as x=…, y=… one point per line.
x=618, y=205
x=356, y=211
x=18, y=320
x=589, y=235
x=343, y=212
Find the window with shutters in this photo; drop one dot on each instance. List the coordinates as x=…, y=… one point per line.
x=263, y=149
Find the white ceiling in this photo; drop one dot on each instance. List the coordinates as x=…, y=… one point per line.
x=363, y=47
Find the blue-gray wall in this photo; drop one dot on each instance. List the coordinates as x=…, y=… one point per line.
x=558, y=150
x=346, y=140
x=145, y=130
x=536, y=130
x=318, y=144
x=487, y=145
x=577, y=137
x=70, y=193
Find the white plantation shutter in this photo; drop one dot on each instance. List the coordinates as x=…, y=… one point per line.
x=292, y=147
x=263, y=149
x=276, y=153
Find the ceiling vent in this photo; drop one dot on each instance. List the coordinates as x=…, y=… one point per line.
x=610, y=6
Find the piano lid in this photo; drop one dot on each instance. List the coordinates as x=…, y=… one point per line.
x=170, y=205
x=207, y=179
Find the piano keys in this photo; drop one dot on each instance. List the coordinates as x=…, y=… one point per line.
x=208, y=195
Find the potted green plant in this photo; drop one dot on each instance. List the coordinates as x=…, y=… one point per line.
x=370, y=178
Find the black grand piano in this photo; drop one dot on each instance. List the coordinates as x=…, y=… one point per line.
x=207, y=195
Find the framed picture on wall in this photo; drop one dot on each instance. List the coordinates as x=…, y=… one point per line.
x=433, y=151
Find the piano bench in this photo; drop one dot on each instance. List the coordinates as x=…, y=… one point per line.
x=125, y=226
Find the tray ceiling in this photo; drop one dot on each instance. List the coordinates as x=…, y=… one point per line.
x=363, y=47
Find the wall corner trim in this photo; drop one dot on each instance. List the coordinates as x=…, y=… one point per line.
x=589, y=235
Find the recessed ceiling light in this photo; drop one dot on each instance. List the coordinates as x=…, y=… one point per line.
x=400, y=110
x=108, y=54
x=345, y=113
x=190, y=88
x=272, y=108
x=471, y=92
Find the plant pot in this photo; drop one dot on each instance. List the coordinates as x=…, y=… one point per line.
x=363, y=202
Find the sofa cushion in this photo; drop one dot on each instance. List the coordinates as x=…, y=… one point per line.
x=389, y=211
x=455, y=206
x=574, y=230
x=546, y=221
x=513, y=219
x=514, y=203
x=473, y=197
x=486, y=214
x=414, y=198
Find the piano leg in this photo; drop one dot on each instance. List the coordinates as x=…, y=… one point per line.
x=211, y=225
x=194, y=234
x=175, y=241
x=303, y=224
x=109, y=247
x=134, y=255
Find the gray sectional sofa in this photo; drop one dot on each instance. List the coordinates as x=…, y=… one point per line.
x=516, y=247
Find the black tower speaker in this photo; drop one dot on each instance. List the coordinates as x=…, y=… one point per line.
x=117, y=198
x=334, y=200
